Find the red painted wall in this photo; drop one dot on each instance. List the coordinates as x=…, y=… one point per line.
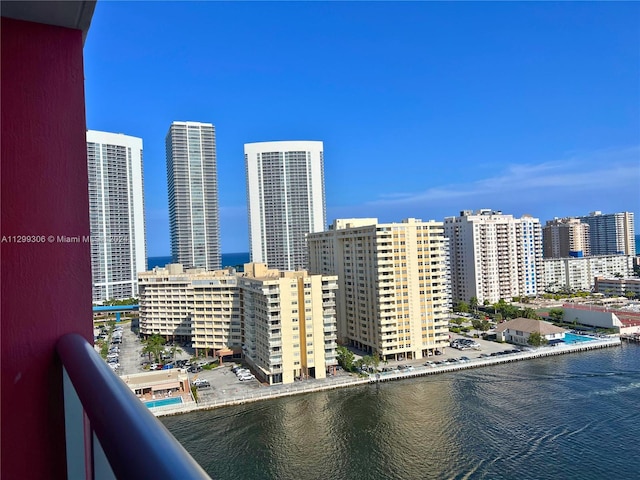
x=45, y=286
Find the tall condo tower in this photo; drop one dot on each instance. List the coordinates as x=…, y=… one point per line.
x=192, y=181
x=393, y=295
x=116, y=210
x=611, y=233
x=286, y=201
x=565, y=237
x=494, y=256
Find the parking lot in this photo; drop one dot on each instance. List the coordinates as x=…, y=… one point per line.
x=222, y=383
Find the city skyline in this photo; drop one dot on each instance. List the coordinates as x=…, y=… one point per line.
x=425, y=109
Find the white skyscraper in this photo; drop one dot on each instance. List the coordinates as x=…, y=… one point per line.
x=192, y=180
x=285, y=198
x=611, y=233
x=116, y=210
x=494, y=256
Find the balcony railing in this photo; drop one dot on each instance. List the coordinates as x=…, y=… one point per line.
x=122, y=438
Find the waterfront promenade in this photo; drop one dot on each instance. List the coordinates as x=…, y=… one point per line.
x=277, y=391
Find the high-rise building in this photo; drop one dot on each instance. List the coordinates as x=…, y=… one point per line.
x=611, y=234
x=116, y=210
x=394, y=291
x=283, y=322
x=289, y=321
x=494, y=256
x=565, y=237
x=286, y=200
x=192, y=180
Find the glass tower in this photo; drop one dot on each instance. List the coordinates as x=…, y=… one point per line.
x=193, y=195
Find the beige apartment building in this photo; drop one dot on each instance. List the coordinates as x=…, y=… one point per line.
x=283, y=322
x=565, y=237
x=289, y=323
x=393, y=297
x=192, y=305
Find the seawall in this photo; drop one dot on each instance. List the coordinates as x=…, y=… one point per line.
x=299, y=388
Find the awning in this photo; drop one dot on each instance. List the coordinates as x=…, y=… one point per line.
x=165, y=386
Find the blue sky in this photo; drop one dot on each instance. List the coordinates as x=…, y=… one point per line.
x=424, y=108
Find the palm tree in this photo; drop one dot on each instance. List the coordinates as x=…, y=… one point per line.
x=529, y=313
x=154, y=345
x=174, y=350
x=473, y=302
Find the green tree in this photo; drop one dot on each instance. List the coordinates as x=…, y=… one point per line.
x=536, y=339
x=174, y=350
x=509, y=311
x=473, y=303
x=476, y=324
x=375, y=360
x=154, y=345
x=458, y=321
x=556, y=314
x=529, y=313
x=484, y=326
x=345, y=358
x=462, y=307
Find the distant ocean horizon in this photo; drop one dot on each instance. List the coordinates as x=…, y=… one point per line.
x=228, y=260
x=240, y=258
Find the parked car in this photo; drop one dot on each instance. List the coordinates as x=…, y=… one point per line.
x=194, y=369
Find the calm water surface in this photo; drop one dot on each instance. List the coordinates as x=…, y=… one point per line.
x=574, y=416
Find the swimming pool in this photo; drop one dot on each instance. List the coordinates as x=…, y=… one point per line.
x=163, y=402
x=573, y=338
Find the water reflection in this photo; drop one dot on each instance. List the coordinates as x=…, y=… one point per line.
x=573, y=416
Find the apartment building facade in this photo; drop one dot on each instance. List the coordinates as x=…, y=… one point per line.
x=116, y=211
x=192, y=181
x=166, y=301
x=289, y=323
x=565, y=237
x=494, y=255
x=284, y=323
x=286, y=200
x=578, y=274
x=393, y=296
x=618, y=286
x=612, y=233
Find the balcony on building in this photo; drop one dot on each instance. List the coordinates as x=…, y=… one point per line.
x=59, y=398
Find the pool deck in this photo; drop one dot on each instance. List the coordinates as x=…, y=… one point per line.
x=418, y=371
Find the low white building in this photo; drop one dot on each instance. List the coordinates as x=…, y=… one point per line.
x=518, y=330
x=573, y=273
x=618, y=286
